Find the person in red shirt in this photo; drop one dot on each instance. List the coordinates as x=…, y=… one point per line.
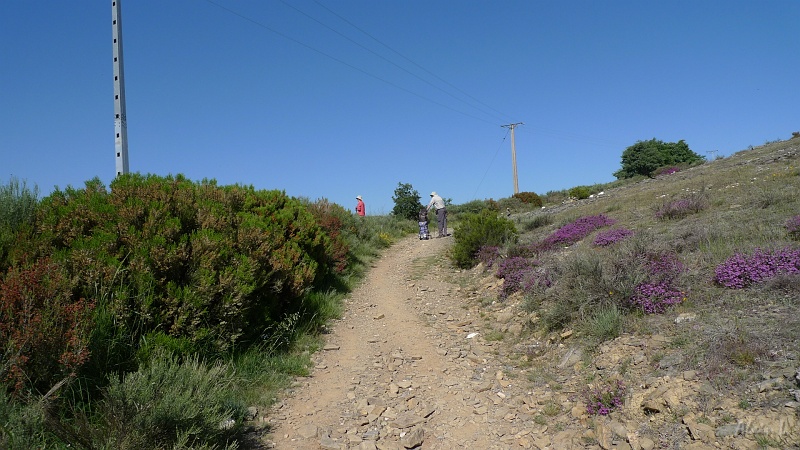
x=361, y=210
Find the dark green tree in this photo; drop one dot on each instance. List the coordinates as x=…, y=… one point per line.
x=406, y=201
x=644, y=157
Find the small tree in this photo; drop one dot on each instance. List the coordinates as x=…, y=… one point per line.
x=644, y=157
x=406, y=201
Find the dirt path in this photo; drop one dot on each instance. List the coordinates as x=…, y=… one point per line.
x=401, y=369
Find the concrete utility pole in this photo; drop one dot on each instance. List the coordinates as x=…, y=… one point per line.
x=120, y=121
x=511, y=126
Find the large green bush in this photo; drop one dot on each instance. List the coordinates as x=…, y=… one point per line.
x=216, y=266
x=644, y=157
x=476, y=230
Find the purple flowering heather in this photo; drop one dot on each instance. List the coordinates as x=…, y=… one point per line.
x=740, y=271
x=669, y=171
x=606, y=238
x=512, y=271
x=605, y=398
x=579, y=229
x=658, y=294
x=656, y=298
x=665, y=266
x=678, y=209
x=538, y=278
x=488, y=255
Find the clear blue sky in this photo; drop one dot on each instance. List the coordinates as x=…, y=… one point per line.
x=333, y=99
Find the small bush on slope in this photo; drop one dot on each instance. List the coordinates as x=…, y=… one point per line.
x=478, y=230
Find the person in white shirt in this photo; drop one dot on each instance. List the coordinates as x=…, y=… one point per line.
x=441, y=213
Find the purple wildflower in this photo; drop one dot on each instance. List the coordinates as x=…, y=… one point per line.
x=537, y=279
x=665, y=266
x=678, y=209
x=658, y=294
x=512, y=271
x=606, y=238
x=656, y=298
x=577, y=230
x=740, y=271
x=488, y=255
x=604, y=398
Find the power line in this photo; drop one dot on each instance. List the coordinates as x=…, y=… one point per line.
x=309, y=47
x=409, y=59
x=387, y=59
x=496, y=152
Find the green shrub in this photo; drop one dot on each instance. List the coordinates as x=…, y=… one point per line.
x=169, y=402
x=605, y=323
x=22, y=424
x=477, y=230
x=538, y=221
x=474, y=207
x=530, y=198
x=555, y=197
x=558, y=315
x=334, y=219
x=580, y=192
x=17, y=211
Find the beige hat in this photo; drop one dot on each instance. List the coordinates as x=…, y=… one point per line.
x=358, y=197
x=433, y=193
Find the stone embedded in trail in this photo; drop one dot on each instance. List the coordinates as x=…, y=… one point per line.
x=329, y=443
x=413, y=438
x=308, y=431
x=406, y=421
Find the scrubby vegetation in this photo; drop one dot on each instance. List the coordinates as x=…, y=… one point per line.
x=148, y=313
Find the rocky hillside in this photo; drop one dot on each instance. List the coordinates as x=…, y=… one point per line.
x=721, y=370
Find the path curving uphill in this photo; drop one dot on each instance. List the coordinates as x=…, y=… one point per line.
x=403, y=367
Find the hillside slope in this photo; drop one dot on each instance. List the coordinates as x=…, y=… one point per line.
x=719, y=370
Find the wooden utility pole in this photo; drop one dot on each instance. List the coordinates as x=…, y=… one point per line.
x=511, y=126
x=120, y=121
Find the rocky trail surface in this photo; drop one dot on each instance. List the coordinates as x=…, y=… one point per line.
x=403, y=368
